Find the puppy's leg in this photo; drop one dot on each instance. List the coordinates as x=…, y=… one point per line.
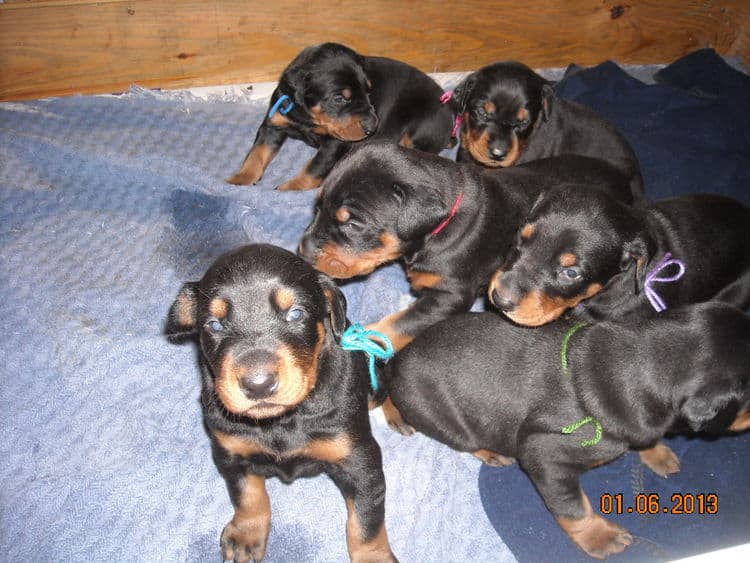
x=431, y=306
x=318, y=168
x=360, y=479
x=395, y=420
x=244, y=537
x=661, y=460
x=555, y=469
x=267, y=143
x=494, y=459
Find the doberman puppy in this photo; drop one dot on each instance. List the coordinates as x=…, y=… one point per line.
x=590, y=249
x=451, y=222
x=330, y=96
x=566, y=397
x=511, y=115
x=280, y=396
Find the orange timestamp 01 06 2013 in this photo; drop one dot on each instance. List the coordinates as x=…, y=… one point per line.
x=651, y=503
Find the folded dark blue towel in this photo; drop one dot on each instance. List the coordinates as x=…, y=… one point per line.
x=690, y=131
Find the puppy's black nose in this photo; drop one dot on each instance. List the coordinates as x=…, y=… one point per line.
x=260, y=384
x=370, y=125
x=502, y=302
x=307, y=248
x=497, y=153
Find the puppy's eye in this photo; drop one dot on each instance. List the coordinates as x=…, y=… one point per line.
x=352, y=225
x=570, y=273
x=214, y=326
x=295, y=314
x=523, y=123
x=481, y=112
x=341, y=98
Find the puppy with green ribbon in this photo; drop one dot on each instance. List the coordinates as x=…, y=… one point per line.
x=564, y=398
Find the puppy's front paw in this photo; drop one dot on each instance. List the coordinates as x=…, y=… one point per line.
x=661, y=460
x=243, y=541
x=300, y=183
x=244, y=179
x=395, y=420
x=596, y=535
x=401, y=427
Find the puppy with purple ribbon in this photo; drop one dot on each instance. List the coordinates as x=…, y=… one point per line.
x=591, y=254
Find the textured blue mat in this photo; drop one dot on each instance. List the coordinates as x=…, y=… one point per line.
x=106, y=206
x=691, y=132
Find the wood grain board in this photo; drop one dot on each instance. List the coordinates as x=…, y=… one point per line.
x=58, y=47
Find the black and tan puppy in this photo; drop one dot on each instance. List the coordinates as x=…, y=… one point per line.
x=280, y=397
x=330, y=96
x=590, y=249
x=564, y=398
x=451, y=222
x=511, y=115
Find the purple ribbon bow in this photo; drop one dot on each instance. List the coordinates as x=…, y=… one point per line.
x=657, y=302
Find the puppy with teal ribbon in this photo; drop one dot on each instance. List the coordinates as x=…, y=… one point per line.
x=285, y=389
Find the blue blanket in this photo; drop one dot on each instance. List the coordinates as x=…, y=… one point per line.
x=108, y=205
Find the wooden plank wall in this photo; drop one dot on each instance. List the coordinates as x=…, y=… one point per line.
x=57, y=47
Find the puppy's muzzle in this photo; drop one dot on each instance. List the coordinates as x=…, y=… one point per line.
x=497, y=150
x=499, y=294
x=260, y=384
x=259, y=377
x=308, y=248
x=370, y=124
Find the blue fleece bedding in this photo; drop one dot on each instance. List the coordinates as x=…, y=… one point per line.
x=109, y=203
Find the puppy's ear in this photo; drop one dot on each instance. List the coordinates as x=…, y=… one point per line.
x=295, y=79
x=297, y=85
x=710, y=410
x=462, y=92
x=548, y=97
x=335, y=306
x=421, y=210
x=183, y=314
x=635, y=254
x=536, y=203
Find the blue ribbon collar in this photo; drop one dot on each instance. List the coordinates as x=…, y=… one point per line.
x=278, y=106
